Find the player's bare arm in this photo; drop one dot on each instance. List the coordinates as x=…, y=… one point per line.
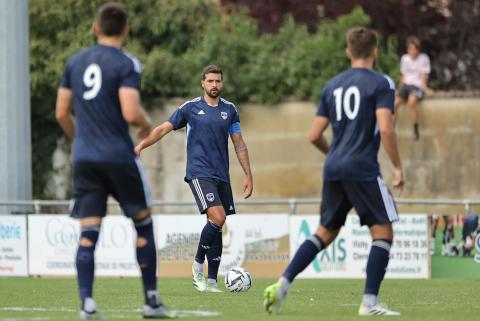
x=316, y=137
x=389, y=141
x=132, y=110
x=63, y=111
x=155, y=135
x=242, y=154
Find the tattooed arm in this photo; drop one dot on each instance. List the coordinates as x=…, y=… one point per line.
x=242, y=155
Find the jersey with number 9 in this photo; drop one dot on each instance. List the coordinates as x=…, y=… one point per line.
x=350, y=101
x=95, y=76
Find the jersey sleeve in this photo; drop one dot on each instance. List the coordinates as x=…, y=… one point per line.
x=322, y=109
x=386, y=94
x=178, y=118
x=235, y=123
x=132, y=73
x=65, y=82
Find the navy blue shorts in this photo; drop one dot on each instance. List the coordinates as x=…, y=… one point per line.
x=372, y=201
x=209, y=192
x=410, y=90
x=94, y=181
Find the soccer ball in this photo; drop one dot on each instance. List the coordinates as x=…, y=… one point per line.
x=238, y=280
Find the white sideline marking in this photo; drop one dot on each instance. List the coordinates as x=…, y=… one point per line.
x=181, y=313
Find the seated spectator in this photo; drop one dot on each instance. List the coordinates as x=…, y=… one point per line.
x=414, y=69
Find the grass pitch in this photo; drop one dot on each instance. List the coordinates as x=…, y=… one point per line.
x=30, y=299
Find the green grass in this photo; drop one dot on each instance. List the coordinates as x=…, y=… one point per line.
x=453, y=266
x=436, y=300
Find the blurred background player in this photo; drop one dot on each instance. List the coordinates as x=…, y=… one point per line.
x=359, y=103
x=209, y=120
x=448, y=236
x=414, y=70
x=470, y=230
x=103, y=82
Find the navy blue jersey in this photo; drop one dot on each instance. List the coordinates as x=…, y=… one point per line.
x=208, y=128
x=350, y=101
x=95, y=75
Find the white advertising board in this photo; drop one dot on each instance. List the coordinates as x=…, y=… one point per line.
x=53, y=241
x=13, y=245
x=347, y=256
x=258, y=242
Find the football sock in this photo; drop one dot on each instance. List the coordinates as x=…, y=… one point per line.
x=376, y=268
x=88, y=305
x=85, y=261
x=214, y=256
x=198, y=267
x=210, y=230
x=304, y=256
x=212, y=281
x=285, y=286
x=147, y=255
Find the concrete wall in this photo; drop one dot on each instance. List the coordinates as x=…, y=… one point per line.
x=445, y=163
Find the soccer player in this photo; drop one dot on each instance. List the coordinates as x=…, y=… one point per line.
x=209, y=120
x=414, y=69
x=359, y=104
x=102, y=83
x=470, y=230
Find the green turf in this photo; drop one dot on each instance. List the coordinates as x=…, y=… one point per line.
x=436, y=300
x=453, y=266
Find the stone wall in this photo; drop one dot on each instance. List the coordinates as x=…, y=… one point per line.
x=445, y=163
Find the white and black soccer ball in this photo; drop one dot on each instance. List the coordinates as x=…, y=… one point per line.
x=238, y=280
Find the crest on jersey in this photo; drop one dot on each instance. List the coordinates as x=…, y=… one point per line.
x=224, y=114
x=477, y=245
x=210, y=197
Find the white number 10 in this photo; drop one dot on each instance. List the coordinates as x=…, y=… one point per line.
x=92, y=78
x=350, y=112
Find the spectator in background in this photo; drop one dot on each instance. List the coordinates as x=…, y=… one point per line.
x=414, y=69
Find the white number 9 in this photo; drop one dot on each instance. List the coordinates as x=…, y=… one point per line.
x=92, y=78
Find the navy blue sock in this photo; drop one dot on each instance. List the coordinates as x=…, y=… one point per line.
x=214, y=256
x=377, y=265
x=147, y=254
x=85, y=261
x=210, y=230
x=304, y=256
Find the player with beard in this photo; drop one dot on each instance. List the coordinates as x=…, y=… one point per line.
x=209, y=120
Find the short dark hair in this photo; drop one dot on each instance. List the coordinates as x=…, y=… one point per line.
x=211, y=69
x=361, y=41
x=412, y=40
x=112, y=18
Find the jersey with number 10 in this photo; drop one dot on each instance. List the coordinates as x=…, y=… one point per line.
x=350, y=101
x=95, y=75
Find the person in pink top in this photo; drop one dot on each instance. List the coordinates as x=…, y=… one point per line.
x=414, y=69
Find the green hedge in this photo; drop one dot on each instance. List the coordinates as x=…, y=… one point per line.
x=174, y=40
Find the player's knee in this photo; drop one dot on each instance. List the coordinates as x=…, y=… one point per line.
x=141, y=242
x=219, y=219
x=142, y=215
x=89, y=235
x=217, y=215
x=144, y=228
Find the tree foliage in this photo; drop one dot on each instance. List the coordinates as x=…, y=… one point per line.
x=447, y=28
x=174, y=40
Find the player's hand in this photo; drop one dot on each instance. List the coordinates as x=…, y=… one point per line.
x=138, y=149
x=398, y=181
x=143, y=132
x=247, y=187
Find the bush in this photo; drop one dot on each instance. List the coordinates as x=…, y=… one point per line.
x=174, y=40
